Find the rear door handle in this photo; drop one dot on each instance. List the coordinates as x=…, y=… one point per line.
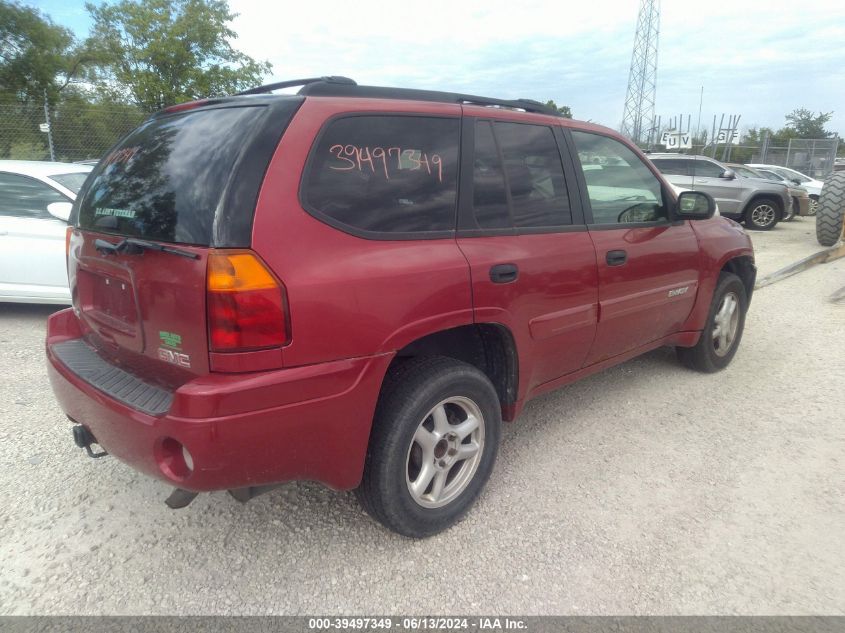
x=616, y=258
x=504, y=273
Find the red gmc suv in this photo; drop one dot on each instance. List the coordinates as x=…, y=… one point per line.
x=355, y=285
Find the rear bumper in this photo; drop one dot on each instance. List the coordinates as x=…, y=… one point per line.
x=241, y=430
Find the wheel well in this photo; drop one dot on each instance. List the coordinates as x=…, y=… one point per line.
x=743, y=267
x=488, y=347
x=760, y=196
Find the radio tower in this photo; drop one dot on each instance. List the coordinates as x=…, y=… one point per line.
x=642, y=78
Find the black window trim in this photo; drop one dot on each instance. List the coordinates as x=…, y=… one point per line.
x=384, y=236
x=585, y=197
x=467, y=226
x=40, y=182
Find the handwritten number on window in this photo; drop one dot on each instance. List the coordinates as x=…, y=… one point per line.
x=353, y=157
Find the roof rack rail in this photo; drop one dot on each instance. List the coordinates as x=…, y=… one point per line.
x=344, y=89
x=333, y=79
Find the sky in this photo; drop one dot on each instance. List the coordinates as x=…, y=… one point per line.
x=756, y=58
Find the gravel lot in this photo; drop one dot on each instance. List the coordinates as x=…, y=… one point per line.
x=647, y=489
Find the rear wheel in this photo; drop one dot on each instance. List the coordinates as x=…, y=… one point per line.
x=433, y=445
x=762, y=214
x=831, y=209
x=723, y=330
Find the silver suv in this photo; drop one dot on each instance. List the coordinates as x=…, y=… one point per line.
x=761, y=205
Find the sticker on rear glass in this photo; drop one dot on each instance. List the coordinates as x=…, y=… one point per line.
x=118, y=213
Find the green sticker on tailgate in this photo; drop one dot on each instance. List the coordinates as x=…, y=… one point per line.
x=169, y=339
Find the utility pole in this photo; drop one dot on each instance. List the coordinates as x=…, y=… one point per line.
x=642, y=77
x=49, y=127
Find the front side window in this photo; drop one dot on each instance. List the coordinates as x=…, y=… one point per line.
x=622, y=190
x=791, y=174
x=706, y=169
x=772, y=175
x=24, y=197
x=386, y=174
x=747, y=172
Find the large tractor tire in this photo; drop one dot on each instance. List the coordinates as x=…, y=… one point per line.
x=831, y=210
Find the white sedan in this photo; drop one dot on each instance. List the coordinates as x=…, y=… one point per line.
x=35, y=202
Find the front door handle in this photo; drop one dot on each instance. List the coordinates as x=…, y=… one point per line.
x=616, y=258
x=504, y=273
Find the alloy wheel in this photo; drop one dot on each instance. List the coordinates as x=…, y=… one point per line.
x=725, y=324
x=445, y=452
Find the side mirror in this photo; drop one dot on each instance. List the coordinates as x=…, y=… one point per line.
x=695, y=205
x=728, y=174
x=796, y=181
x=60, y=210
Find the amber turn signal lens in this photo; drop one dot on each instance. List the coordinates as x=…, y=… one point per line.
x=238, y=271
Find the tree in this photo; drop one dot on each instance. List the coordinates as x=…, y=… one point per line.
x=565, y=112
x=163, y=52
x=36, y=55
x=802, y=123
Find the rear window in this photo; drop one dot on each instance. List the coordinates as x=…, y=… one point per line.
x=385, y=174
x=164, y=181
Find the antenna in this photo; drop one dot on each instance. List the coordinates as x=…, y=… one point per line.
x=642, y=77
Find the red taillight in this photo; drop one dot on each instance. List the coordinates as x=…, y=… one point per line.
x=247, y=307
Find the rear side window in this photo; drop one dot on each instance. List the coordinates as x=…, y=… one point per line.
x=385, y=174
x=165, y=180
x=535, y=175
x=535, y=188
x=672, y=166
x=489, y=199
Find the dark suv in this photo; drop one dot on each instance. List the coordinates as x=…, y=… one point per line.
x=355, y=285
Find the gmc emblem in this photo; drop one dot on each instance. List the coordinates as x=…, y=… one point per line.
x=175, y=358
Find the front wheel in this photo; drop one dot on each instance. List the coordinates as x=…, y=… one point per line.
x=814, y=205
x=723, y=330
x=762, y=214
x=433, y=445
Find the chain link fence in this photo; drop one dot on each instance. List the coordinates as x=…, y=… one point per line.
x=71, y=131
x=814, y=157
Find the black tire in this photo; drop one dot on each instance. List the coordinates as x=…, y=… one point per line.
x=814, y=205
x=411, y=391
x=768, y=207
x=705, y=356
x=831, y=210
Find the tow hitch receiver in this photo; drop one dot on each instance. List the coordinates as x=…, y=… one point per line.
x=83, y=438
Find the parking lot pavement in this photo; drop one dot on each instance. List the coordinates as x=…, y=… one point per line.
x=646, y=489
